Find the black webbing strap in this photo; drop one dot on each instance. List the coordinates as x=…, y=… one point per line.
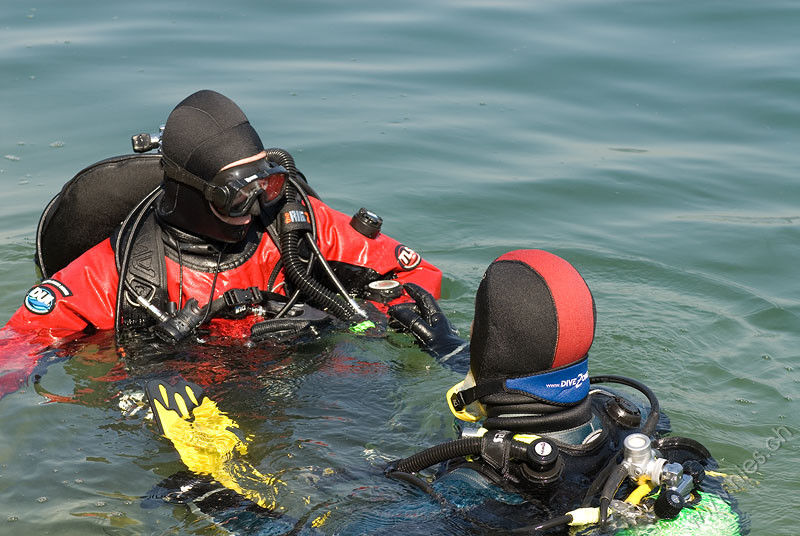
x=146, y=274
x=180, y=175
x=462, y=399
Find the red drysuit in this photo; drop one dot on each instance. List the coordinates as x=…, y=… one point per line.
x=83, y=295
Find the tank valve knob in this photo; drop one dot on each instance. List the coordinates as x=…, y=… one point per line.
x=669, y=504
x=696, y=470
x=367, y=223
x=147, y=142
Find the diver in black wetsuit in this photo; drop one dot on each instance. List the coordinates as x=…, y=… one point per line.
x=553, y=446
x=542, y=444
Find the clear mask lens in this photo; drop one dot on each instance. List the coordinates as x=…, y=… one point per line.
x=243, y=185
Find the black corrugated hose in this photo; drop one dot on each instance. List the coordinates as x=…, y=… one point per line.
x=294, y=268
x=446, y=451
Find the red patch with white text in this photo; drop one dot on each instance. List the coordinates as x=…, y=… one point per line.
x=407, y=258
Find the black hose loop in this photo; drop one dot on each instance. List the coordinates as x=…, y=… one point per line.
x=439, y=453
x=414, y=480
x=126, y=237
x=317, y=294
x=282, y=157
x=518, y=450
x=609, y=490
x=295, y=325
x=294, y=269
x=649, y=425
x=555, y=522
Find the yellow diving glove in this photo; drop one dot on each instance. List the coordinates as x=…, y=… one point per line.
x=207, y=440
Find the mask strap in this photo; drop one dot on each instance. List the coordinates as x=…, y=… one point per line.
x=462, y=414
x=181, y=176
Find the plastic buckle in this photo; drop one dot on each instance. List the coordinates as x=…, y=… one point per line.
x=458, y=401
x=238, y=299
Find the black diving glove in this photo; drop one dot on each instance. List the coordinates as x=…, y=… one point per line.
x=426, y=321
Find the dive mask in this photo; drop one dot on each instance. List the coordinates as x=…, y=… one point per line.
x=233, y=192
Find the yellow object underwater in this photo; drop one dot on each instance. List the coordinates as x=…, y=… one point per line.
x=207, y=440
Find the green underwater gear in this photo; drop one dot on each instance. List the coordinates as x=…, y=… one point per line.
x=710, y=516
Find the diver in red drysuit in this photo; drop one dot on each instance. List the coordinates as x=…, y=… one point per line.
x=220, y=196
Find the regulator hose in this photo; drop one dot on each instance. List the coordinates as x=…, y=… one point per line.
x=610, y=489
x=437, y=454
x=552, y=523
x=295, y=325
x=282, y=157
x=317, y=294
x=649, y=425
x=296, y=272
x=122, y=253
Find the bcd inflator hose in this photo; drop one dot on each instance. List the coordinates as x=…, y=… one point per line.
x=649, y=425
x=291, y=233
x=455, y=449
x=317, y=294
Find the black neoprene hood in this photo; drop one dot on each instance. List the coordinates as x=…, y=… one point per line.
x=207, y=131
x=533, y=312
x=204, y=133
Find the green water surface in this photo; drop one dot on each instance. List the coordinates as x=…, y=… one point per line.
x=655, y=145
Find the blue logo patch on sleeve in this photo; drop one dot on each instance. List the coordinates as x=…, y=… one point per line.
x=40, y=300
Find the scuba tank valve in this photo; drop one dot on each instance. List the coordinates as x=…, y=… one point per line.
x=641, y=460
x=678, y=481
x=145, y=142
